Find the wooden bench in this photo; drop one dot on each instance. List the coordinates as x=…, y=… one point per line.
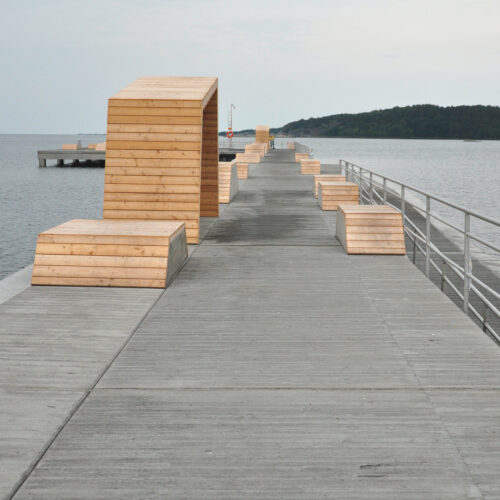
x=92, y=146
x=228, y=181
x=291, y=145
x=70, y=146
x=326, y=177
x=370, y=229
x=331, y=194
x=110, y=253
x=256, y=148
x=301, y=156
x=310, y=166
x=100, y=146
x=242, y=161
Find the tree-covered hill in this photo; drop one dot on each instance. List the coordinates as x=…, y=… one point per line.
x=423, y=121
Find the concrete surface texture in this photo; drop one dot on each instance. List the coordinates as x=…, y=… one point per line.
x=274, y=366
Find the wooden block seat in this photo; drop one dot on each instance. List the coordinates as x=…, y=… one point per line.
x=310, y=166
x=331, y=194
x=70, y=146
x=301, y=156
x=256, y=148
x=325, y=178
x=291, y=145
x=228, y=181
x=370, y=229
x=110, y=253
x=242, y=161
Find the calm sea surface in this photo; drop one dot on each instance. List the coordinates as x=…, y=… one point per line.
x=33, y=199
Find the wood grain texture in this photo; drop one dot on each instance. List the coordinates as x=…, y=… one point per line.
x=326, y=177
x=262, y=134
x=331, y=194
x=106, y=253
x=370, y=229
x=301, y=156
x=310, y=166
x=228, y=181
x=162, y=140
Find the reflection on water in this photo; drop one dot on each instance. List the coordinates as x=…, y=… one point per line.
x=33, y=199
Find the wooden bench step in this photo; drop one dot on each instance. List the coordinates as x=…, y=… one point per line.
x=228, y=181
x=381, y=232
x=332, y=193
x=122, y=253
x=310, y=167
x=326, y=178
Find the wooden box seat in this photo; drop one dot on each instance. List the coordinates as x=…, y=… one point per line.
x=256, y=148
x=242, y=161
x=228, y=181
x=331, y=194
x=370, y=229
x=301, y=156
x=162, y=152
x=110, y=253
x=326, y=177
x=310, y=166
x=291, y=145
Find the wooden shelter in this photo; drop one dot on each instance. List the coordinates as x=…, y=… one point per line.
x=262, y=133
x=162, y=152
x=370, y=229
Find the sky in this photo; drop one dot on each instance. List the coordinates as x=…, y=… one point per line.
x=276, y=60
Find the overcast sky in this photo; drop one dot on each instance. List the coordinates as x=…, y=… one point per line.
x=277, y=61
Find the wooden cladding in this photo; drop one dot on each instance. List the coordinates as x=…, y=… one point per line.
x=325, y=178
x=301, y=156
x=262, y=133
x=370, y=229
x=310, y=167
x=331, y=194
x=228, y=181
x=162, y=152
x=110, y=253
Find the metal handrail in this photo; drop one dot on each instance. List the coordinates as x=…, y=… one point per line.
x=371, y=182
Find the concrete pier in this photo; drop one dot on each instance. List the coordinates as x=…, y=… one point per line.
x=274, y=366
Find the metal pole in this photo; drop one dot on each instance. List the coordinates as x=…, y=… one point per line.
x=371, y=188
x=467, y=262
x=385, y=190
x=428, y=236
x=360, y=185
x=403, y=207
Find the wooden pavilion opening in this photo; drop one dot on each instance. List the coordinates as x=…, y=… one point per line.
x=162, y=152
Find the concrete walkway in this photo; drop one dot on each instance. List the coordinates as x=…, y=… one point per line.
x=275, y=366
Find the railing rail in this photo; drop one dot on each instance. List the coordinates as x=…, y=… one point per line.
x=375, y=188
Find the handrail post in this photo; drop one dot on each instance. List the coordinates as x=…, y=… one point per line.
x=428, y=236
x=360, y=185
x=385, y=190
x=371, y=188
x=467, y=261
x=403, y=207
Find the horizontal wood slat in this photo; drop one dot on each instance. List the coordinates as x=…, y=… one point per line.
x=381, y=233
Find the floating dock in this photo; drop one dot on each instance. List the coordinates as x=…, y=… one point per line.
x=91, y=158
x=274, y=366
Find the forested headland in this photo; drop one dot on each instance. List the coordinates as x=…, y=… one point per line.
x=423, y=121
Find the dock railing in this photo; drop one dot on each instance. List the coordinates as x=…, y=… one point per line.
x=375, y=188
